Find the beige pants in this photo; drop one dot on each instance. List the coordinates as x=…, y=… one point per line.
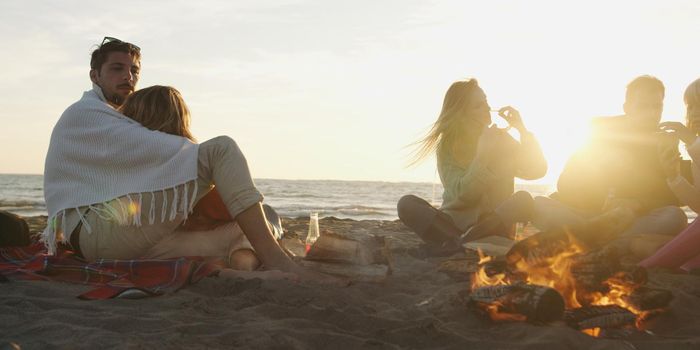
x=220, y=162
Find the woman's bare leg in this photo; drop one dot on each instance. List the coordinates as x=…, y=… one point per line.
x=221, y=162
x=254, y=225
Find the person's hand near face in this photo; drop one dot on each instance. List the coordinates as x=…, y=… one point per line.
x=512, y=116
x=683, y=133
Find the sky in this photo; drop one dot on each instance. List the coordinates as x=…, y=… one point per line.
x=341, y=89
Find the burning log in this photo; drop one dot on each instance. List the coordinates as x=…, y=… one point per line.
x=646, y=299
x=635, y=276
x=532, y=302
x=495, y=266
x=599, y=316
x=590, y=271
x=538, y=248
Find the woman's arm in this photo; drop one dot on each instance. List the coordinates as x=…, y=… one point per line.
x=530, y=161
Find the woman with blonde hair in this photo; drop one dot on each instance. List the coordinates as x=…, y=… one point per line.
x=682, y=253
x=162, y=109
x=159, y=108
x=477, y=163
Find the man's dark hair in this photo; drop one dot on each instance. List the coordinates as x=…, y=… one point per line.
x=644, y=82
x=99, y=56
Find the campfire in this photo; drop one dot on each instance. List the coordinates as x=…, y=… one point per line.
x=551, y=276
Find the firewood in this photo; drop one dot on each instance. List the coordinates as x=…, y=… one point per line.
x=599, y=316
x=460, y=269
x=589, y=277
x=355, y=272
x=536, y=249
x=632, y=276
x=332, y=247
x=489, y=294
x=537, y=303
x=645, y=298
x=495, y=267
x=607, y=255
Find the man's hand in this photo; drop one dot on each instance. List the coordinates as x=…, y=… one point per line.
x=679, y=130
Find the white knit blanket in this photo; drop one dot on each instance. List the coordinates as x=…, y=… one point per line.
x=97, y=154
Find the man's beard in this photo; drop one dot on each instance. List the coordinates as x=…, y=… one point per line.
x=116, y=99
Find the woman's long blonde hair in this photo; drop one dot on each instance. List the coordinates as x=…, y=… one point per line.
x=160, y=108
x=692, y=94
x=457, y=102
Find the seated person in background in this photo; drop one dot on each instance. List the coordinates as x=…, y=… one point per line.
x=683, y=252
x=618, y=178
x=477, y=164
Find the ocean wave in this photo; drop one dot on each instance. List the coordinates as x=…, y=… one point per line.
x=21, y=203
x=341, y=211
x=292, y=195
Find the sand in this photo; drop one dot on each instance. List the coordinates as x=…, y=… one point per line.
x=416, y=307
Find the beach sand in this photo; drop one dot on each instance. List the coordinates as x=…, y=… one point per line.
x=416, y=307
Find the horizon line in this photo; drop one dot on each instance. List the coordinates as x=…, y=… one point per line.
x=339, y=180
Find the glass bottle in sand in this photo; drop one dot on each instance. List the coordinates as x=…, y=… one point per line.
x=314, y=232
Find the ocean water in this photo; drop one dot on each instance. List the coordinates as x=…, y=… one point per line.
x=22, y=194
x=359, y=200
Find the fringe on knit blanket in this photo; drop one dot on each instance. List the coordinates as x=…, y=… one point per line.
x=125, y=211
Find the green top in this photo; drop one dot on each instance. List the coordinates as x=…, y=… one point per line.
x=475, y=189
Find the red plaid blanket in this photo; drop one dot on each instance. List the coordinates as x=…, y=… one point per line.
x=110, y=277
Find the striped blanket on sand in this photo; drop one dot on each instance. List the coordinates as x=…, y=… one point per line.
x=111, y=278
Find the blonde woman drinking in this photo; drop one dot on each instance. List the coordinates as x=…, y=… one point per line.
x=477, y=163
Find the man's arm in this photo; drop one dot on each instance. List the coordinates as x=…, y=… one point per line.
x=583, y=184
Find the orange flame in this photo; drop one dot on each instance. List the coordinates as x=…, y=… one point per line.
x=481, y=278
x=554, y=271
x=593, y=332
x=494, y=311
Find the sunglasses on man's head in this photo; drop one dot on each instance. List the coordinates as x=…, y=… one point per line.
x=109, y=39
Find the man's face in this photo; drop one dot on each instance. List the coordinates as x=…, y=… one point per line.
x=117, y=77
x=645, y=107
